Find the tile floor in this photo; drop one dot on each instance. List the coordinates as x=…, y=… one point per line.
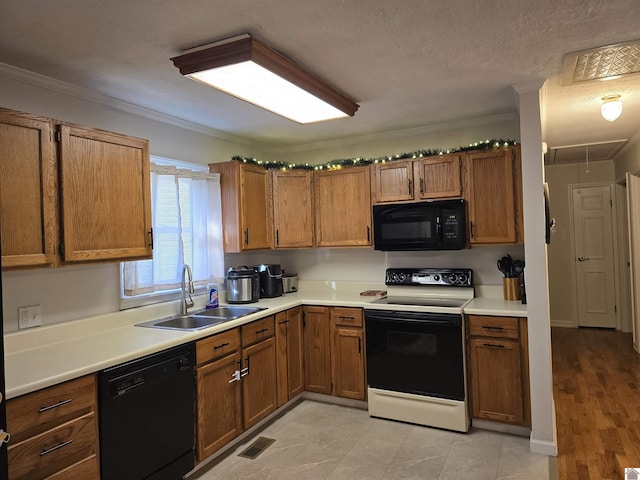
x=318, y=441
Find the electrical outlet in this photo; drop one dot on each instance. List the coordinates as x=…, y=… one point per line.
x=29, y=316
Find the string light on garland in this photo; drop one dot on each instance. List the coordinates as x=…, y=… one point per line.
x=360, y=161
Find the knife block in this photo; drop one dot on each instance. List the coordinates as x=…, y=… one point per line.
x=511, y=288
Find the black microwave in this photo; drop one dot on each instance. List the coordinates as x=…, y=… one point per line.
x=436, y=225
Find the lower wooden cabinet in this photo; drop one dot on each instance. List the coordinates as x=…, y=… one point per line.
x=54, y=432
x=317, y=350
x=289, y=354
x=348, y=353
x=259, y=382
x=219, y=405
x=334, y=351
x=498, y=369
x=236, y=383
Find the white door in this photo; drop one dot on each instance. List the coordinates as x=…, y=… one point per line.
x=633, y=211
x=593, y=242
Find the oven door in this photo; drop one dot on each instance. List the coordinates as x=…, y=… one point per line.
x=415, y=353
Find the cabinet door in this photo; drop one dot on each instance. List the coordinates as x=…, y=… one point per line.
x=218, y=405
x=259, y=384
x=27, y=190
x=292, y=208
x=317, y=348
x=105, y=195
x=343, y=207
x=348, y=354
x=295, y=352
x=282, y=358
x=393, y=181
x=496, y=380
x=439, y=177
x=255, y=206
x=491, y=196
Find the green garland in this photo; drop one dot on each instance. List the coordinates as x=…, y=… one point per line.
x=360, y=161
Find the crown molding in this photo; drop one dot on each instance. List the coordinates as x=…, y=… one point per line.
x=65, y=88
x=395, y=134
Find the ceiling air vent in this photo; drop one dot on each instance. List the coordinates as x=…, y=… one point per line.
x=601, y=63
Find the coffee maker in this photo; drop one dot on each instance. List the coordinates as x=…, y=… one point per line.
x=270, y=280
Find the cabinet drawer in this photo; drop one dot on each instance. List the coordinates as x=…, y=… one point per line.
x=349, y=317
x=497, y=327
x=54, y=450
x=39, y=411
x=258, y=330
x=217, y=346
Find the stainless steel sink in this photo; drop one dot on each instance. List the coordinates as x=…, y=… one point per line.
x=200, y=319
x=230, y=313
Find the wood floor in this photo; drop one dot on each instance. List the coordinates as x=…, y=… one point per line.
x=596, y=385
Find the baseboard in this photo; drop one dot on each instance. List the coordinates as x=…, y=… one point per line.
x=543, y=447
x=501, y=427
x=563, y=323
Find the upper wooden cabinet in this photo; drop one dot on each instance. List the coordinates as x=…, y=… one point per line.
x=438, y=177
x=292, y=208
x=493, y=190
x=343, y=207
x=392, y=181
x=246, y=207
x=105, y=195
x=27, y=190
x=420, y=179
x=90, y=201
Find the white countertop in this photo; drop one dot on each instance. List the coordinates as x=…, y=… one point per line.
x=44, y=356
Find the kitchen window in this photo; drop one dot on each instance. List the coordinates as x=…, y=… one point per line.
x=187, y=229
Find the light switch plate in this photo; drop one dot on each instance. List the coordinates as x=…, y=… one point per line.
x=29, y=317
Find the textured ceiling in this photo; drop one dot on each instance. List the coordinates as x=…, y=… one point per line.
x=407, y=63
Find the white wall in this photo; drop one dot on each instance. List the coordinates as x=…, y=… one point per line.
x=367, y=265
x=444, y=136
x=543, y=432
x=628, y=159
x=561, y=279
x=70, y=293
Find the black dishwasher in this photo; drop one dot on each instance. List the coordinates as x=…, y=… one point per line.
x=147, y=417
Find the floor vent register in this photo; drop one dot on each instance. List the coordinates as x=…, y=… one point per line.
x=257, y=447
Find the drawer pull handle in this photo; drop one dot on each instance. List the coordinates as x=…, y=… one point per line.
x=283, y=322
x=262, y=330
x=222, y=345
x=53, y=449
x=346, y=318
x=493, y=345
x=55, y=405
x=489, y=327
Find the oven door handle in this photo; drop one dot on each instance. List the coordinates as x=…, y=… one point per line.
x=437, y=321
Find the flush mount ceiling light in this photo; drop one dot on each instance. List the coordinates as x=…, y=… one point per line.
x=250, y=70
x=611, y=108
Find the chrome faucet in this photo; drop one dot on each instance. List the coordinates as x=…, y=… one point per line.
x=186, y=304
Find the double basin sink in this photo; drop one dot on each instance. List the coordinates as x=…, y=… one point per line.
x=201, y=319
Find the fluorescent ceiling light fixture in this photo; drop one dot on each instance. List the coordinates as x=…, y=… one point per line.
x=248, y=69
x=611, y=108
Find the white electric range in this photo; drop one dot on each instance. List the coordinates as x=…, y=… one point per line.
x=415, y=347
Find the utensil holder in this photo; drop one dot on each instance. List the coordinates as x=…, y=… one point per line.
x=511, y=288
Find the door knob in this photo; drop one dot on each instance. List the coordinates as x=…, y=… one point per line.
x=582, y=259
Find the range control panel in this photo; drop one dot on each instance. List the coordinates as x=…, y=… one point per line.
x=450, y=277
